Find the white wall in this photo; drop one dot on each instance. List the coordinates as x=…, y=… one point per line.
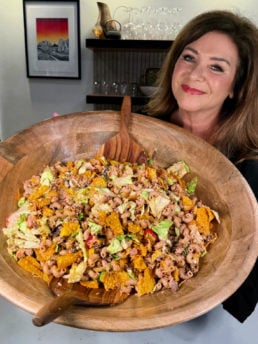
x=24, y=101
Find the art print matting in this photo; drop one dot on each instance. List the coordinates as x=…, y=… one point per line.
x=52, y=38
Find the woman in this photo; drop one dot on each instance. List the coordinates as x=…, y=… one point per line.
x=209, y=86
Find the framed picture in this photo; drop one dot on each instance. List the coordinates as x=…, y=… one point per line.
x=52, y=38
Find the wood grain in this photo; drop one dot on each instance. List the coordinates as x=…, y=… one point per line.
x=221, y=186
x=69, y=294
x=122, y=147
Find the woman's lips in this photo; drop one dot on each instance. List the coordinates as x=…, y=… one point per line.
x=191, y=90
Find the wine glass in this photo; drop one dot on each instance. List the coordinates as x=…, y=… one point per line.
x=162, y=23
x=127, y=30
x=148, y=27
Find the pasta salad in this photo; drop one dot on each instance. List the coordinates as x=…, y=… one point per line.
x=103, y=223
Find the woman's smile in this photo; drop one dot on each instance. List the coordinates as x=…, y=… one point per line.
x=193, y=91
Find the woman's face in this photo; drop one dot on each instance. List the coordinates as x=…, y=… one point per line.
x=204, y=74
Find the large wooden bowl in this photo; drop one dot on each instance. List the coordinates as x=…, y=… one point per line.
x=221, y=186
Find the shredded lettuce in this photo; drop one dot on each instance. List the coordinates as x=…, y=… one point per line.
x=191, y=185
x=177, y=232
x=131, y=274
x=20, y=236
x=17, y=232
x=179, y=169
x=171, y=181
x=116, y=243
x=21, y=202
x=22, y=220
x=203, y=253
x=128, y=170
x=162, y=229
x=76, y=272
x=79, y=238
x=99, y=194
x=105, y=207
x=115, y=246
x=128, y=237
x=81, y=196
x=15, y=217
x=177, y=209
x=79, y=163
x=122, y=181
x=46, y=177
x=95, y=228
x=122, y=207
x=157, y=205
x=130, y=206
x=145, y=194
x=44, y=229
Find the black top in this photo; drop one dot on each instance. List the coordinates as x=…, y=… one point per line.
x=243, y=302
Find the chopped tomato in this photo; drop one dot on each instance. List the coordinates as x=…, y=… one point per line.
x=90, y=241
x=150, y=235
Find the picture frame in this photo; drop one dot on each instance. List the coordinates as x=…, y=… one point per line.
x=52, y=38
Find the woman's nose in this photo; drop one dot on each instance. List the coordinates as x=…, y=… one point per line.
x=198, y=72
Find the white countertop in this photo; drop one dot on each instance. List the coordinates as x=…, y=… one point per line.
x=215, y=327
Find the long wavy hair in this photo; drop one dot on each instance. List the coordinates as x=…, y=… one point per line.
x=237, y=133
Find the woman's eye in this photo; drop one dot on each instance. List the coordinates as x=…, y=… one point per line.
x=217, y=68
x=188, y=58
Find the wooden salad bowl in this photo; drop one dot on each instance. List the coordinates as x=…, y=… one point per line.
x=221, y=186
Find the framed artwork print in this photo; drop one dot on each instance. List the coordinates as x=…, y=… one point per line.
x=52, y=38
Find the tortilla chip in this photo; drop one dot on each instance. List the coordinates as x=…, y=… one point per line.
x=203, y=218
x=187, y=203
x=139, y=263
x=176, y=275
x=67, y=260
x=134, y=228
x=115, y=279
x=90, y=284
x=69, y=228
x=152, y=173
x=146, y=283
x=44, y=255
x=31, y=265
x=99, y=182
x=156, y=255
x=114, y=223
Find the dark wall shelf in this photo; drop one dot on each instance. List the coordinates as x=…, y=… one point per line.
x=127, y=44
x=123, y=61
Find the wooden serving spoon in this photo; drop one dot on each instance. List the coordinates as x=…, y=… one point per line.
x=69, y=294
x=122, y=147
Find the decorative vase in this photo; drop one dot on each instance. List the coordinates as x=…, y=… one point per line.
x=105, y=21
x=97, y=29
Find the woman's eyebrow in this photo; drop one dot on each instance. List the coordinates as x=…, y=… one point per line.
x=220, y=59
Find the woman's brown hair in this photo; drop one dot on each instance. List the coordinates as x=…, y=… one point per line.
x=237, y=135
